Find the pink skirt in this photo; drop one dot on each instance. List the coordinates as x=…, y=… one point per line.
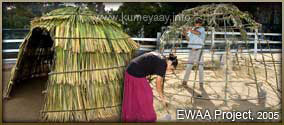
x=137, y=105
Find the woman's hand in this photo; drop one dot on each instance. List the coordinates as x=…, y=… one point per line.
x=165, y=104
x=195, y=31
x=159, y=85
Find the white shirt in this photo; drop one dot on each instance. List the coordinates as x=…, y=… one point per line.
x=196, y=41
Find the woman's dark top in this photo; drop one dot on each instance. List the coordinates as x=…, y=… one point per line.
x=151, y=63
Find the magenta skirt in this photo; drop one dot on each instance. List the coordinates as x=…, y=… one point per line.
x=137, y=105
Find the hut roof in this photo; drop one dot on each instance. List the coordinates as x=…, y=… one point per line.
x=88, y=31
x=66, y=13
x=219, y=16
x=214, y=15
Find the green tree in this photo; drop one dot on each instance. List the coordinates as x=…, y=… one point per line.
x=19, y=15
x=133, y=27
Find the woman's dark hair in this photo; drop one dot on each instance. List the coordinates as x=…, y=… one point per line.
x=174, y=59
x=198, y=20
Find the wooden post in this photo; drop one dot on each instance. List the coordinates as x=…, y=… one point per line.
x=227, y=48
x=255, y=42
x=212, y=44
x=158, y=41
x=213, y=37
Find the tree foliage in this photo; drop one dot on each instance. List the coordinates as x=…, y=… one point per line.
x=133, y=28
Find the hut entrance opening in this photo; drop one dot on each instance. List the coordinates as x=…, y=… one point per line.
x=36, y=62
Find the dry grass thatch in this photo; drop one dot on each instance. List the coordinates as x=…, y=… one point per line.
x=84, y=57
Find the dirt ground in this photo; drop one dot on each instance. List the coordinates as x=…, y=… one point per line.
x=241, y=90
x=25, y=102
x=27, y=99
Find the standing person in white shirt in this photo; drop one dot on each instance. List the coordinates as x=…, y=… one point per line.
x=196, y=38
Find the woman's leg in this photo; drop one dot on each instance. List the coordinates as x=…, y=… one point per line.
x=191, y=59
x=127, y=114
x=145, y=103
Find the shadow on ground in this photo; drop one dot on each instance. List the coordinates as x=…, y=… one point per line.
x=26, y=100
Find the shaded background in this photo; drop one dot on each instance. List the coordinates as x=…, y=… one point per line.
x=19, y=15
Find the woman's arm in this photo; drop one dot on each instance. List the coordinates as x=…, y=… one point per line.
x=196, y=32
x=159, y=83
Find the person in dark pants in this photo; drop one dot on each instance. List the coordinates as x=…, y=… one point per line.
x=137, y=103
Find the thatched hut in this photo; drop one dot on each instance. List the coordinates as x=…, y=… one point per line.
x=84, y=57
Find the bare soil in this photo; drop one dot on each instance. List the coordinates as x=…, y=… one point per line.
x=27, y=99
x=241, y=90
